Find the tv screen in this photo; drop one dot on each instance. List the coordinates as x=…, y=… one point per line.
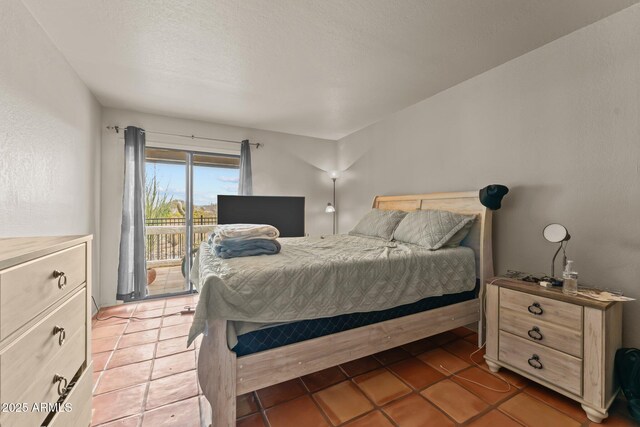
x=284, y=213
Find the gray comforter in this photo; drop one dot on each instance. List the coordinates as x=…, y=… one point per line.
x=323, y=277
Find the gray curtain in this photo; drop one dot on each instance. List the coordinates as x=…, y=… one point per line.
x=245, y=186
x=132, y=269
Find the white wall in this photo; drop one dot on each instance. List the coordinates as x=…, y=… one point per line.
x=49, y=137
x=286, y=165
x=560, y=126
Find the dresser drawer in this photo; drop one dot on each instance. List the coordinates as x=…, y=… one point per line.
x=536, y=307
x=38, y=357
x=28, y=289
x=555, y=367
x=542, y=332
x=77, y=404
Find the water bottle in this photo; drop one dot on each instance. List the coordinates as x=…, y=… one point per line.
x=570, y=279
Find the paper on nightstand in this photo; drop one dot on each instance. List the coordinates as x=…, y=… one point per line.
x=602, y=295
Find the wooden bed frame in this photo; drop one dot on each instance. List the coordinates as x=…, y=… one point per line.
x=223, y=376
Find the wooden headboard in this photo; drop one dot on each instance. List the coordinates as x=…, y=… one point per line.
x=479, y=238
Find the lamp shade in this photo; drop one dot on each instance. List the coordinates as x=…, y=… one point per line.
x=491, y=196
x=330, y=208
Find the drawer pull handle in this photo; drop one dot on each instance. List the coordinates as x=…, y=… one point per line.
x=534, y=333
x=535, y=309
x=62, y=278
x=62, y=334
x=535, y=362
x=62, y=384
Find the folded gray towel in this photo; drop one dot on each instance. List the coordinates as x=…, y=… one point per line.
x=232, y=248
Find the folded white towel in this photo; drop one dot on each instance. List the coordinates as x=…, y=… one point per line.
x=244, y=232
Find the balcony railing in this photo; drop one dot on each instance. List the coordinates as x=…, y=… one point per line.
x=166, y=239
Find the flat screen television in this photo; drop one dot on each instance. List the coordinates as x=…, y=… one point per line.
x=284, y=213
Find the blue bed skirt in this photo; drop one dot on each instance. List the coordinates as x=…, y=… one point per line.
x=278, y=336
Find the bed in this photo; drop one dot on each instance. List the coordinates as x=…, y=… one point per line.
x=224, y=374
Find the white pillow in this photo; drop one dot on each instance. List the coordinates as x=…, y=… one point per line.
x=431, y=228
x=378, y=223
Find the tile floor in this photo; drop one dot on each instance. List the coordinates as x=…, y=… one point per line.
x=145, y=376
x=168, y=280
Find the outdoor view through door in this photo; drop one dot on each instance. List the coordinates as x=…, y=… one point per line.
x=180, y=209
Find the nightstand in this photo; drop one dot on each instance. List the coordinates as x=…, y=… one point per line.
x=566, y=343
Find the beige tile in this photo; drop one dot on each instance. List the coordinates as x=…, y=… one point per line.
x=293, y=412
x=138, y=338
x=323, y=379
x=342, y=402
x=107, y=331
x=254, y=420
x=125, y=422
x=173, y=364
x=558, y=401
x=124, y=376
x=381, y=386
x=102, y=345
x=185, y=413
x=142, y=325
x=416, y=373
x=278, y=393
x=148, y=314
x=120, y=310
x=534, y=413
x=443, y=361
x=150, y=305
x=129, y=355
x=494, y=418
x=172, y=389
x=181, y=301
x=118, y=404
x=360, y=366
x=177, y=319
x=455, y=401
x=175, y=331
x=100, y=360
x=173, y=346
x=464, y=349
x=415, y=411
x=372, y=419
x=480, y=376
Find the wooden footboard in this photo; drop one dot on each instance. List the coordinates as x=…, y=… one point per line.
x=222, y=376
x=217, y=374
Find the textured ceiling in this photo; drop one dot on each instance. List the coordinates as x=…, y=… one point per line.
x=319, y=68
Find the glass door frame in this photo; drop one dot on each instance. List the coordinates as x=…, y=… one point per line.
x=189, y=155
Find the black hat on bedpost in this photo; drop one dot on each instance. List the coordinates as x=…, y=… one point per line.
x=491, y=196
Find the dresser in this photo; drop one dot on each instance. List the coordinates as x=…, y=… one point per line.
x=566, y=343
x=45, y=326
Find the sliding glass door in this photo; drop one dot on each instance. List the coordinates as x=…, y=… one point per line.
x=181, y=209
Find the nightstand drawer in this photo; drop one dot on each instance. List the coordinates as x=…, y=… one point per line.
x=542, y=332
x=550, y=365
x=536, y=307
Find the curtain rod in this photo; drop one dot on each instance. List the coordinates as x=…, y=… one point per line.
x=255, y=144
